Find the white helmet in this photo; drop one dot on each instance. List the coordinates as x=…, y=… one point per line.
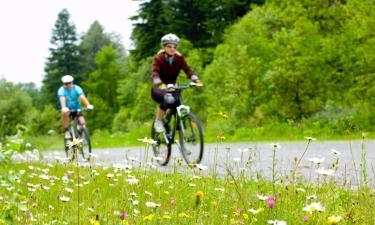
x=67, y=79
x=170, y=39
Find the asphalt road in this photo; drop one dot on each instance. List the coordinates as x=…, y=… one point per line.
x=255, y=159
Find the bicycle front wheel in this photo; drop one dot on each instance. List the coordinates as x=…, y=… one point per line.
x=86, y=144
x=162, y=147
x=191, y=139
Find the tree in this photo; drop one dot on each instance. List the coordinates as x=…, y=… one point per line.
x=64, y=56
x=91, y=43
x=102, y=86
x=150, y=25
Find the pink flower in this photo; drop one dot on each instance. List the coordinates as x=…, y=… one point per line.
x=122, y=215
x=271, y=202
x=172, y=201
x=305, y=218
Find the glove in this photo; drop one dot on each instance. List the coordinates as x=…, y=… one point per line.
x=90, y=107
x=65, y=109
x=198, y=83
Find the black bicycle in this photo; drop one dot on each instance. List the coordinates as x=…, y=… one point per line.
x=80, y=138
x=189, y=128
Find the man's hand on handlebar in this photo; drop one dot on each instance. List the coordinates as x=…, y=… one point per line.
x=65, y=109
x=90, y=107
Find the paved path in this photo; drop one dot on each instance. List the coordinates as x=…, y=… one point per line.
x=258, y=158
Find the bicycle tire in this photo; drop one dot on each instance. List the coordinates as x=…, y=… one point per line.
x=69, y=151
x=86, y=144
x=161, y=149
x=191, y=139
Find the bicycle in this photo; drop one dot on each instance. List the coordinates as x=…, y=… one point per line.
x=80, y=137
x=190, y=143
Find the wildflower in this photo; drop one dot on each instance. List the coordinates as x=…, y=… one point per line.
x=305, y=218
x=64, y=198
x=179, y=161
x=221, y=137
x=245, y=216
x=316, y=160
x=255, y=211
x=167, y=217
x=236, y=159
x=276, y=146
x=148, y=218
x=132, y=181
x=334, y=152
x=148, y=193
x=191, y=185
x=276, y=222
x=310, y=138
x=110, y=175
x=122, y=215
x=192, y=165
x=314, y=206
x=198, y=197
x=219, y=189
x=243, y=150
x=152, y=204
x=147, y=140
x=172, y=201
x=311, y=197
x=223, y=115
x=334, y=219
x=214, y=203
x=325, y=172
x=262, y=197
x=271, y=202
x=69, y=190
x=300, y=190
x=44, y=176
x=135, y=202
x=201, y=167
x=183, y=215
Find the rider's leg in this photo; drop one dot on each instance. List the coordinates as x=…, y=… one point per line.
x=160, y=113
x=65, y=119
x=65, y=123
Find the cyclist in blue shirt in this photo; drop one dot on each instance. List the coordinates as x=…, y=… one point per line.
x=69, y=96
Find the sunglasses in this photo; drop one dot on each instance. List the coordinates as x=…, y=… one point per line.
x=67, y=83
x=171, y=46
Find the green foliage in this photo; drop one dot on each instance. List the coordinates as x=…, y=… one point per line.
x=287, y=60
x=15, y=106
x=45, y=121
x=64, y=56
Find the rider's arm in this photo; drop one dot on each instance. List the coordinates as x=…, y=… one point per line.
x=62, y=100
x=189, y=72
x=84, y=100
x=155, y=72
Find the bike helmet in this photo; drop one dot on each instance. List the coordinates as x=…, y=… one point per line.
x=67, y=79
x=170, y=39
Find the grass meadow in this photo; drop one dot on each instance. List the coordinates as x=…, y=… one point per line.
x=34, y=190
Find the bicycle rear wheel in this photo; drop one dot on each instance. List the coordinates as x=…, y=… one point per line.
x=162, y=148
x=191, y=139
x=86, y=144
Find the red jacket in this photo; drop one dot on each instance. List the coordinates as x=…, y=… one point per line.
x=166, y=72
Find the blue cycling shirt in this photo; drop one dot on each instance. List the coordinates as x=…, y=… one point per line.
x=71, y=96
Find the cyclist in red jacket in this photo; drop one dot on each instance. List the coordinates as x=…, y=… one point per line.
x=166, y=66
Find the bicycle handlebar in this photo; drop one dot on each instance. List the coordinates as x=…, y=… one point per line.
x=172, y=87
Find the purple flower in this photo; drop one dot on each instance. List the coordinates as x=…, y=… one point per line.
x=271, y=202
